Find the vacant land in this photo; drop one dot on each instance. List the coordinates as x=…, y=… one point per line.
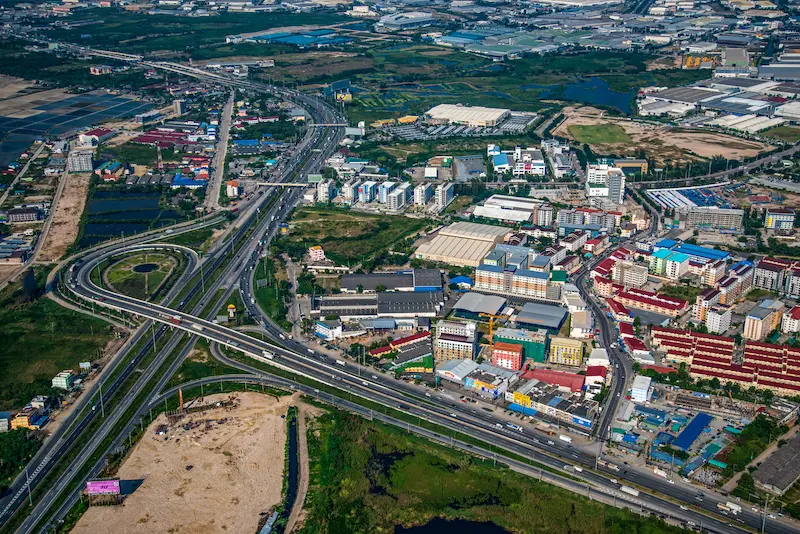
x=685, y=292
x=66, y=217
x=367, y=477
x=141, y=275
x=790, y=134
x=348, y=237
x=662, y=143
x=216, y=477
x=39, y=338
x=600, y=134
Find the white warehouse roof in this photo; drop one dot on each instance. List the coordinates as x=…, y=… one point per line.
x=496, y=212
x=467, y=114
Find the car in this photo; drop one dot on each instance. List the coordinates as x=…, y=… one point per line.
x=771, y=516
x=550, y=442
x=670, y=481
x=684, y=507
x=614, y=481
x=427, y=394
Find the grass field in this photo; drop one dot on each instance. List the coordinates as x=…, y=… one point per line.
x=199, y=239
x=122, y=276
x=38, y=340
x=348, y=237
x=199, y=364
x=133, y=153
x=687, y=293
x=367, y=477
x=271, y=297
x=599, y=134
x=790, y=134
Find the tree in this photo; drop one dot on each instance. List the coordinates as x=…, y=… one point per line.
x=360, y=288
x=714, y=383
x=380, y=288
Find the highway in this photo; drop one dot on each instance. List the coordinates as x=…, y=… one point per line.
x=311, y=152
x=350, y=379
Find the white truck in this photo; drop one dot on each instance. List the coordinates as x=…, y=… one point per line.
x=197, y=327
x=341, y=362
x=562, y=437
x=733, y=507
x=629, y=490
x=268, y=355
x=660, y=472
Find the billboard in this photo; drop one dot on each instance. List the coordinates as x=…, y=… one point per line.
x=103, y=487
x=344, y=97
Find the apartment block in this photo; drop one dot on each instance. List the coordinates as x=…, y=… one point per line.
x=737, y=284
x=629, y=274
x=444, y=195
x=790, y=324
x=704, y=301
x=507, y=355
x=712, y=218
x=455, y=340
x=780, y=219
x=778, y=275
x=669, y=264
x=423, y=194
x=718, y=319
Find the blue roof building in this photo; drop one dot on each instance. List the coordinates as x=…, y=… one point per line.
x=500, y=161
x=702, y=253
x=665, y=243
x=692, y=431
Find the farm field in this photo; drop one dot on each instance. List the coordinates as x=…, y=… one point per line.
x=39, y=339
x=789, y=134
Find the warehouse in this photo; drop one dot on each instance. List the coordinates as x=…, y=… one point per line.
x=535, y=316
x=692, y=431
x=502, y=214
x=473, y=116
x=414, y=280
x=472, y=305
x=781, y=470
x=417, y=304
x=463, y=243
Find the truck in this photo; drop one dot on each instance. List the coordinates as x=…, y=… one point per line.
x=660, y=472
x=629, y=490
x=267, y=354
x=512, y=426
x=562, y=437
x=175, y=319
x=723, y=508
x=340, y=362
x=197, y=327
x=735, y=508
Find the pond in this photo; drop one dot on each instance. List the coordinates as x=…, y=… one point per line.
x=593, y=90
x=454, y=526
x=145, y=268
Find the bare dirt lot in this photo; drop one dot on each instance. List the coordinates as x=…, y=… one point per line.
x=10, y=86
x=237, y=472
x=66, y=217
x=660, y=142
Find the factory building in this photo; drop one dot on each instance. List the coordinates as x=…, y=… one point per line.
x=780, y=219
x=533, y=342
x=80, y=161
x=463, y=243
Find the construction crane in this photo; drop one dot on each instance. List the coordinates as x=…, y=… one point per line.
x=491, y=317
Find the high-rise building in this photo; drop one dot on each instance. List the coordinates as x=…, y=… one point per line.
x=714, y=218
x=566, y=351
x=445, y=193
x=790, y=324
x=383, y=191
x=397, y=199
x=704, y=301
x=718, y=319
x=603, y=180
x=779, y=219
x=757, y=323
x=366, y=191
x=669, y=264
x=544, y=215
x=533, y=342
x=325, y=191
x=507, y=355
x=455, y=340
x=629, y=274
x=350, y=191
x=423, y=194
x=179, y=107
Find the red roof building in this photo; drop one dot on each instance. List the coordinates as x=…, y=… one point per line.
x=569, y=381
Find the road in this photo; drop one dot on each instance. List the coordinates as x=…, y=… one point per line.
x=217, y=177
x=353, y=380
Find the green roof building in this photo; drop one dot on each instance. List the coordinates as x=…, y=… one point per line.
x=534, y=343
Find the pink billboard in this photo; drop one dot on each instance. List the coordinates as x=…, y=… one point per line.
x=103, y=487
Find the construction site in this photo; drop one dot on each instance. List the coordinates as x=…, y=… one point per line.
x=215, y=466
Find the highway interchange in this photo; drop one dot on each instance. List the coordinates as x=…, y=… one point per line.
x=261, y=219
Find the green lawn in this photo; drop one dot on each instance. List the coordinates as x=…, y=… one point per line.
x=367, y=477
x=348, y=237
x=790, y=134
x=38, y=340
x=199, y=239
x=272, y=296
x=124, y=279
x=687, y=293
x=199, y=364
x=599, y=134
x=758, y=294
